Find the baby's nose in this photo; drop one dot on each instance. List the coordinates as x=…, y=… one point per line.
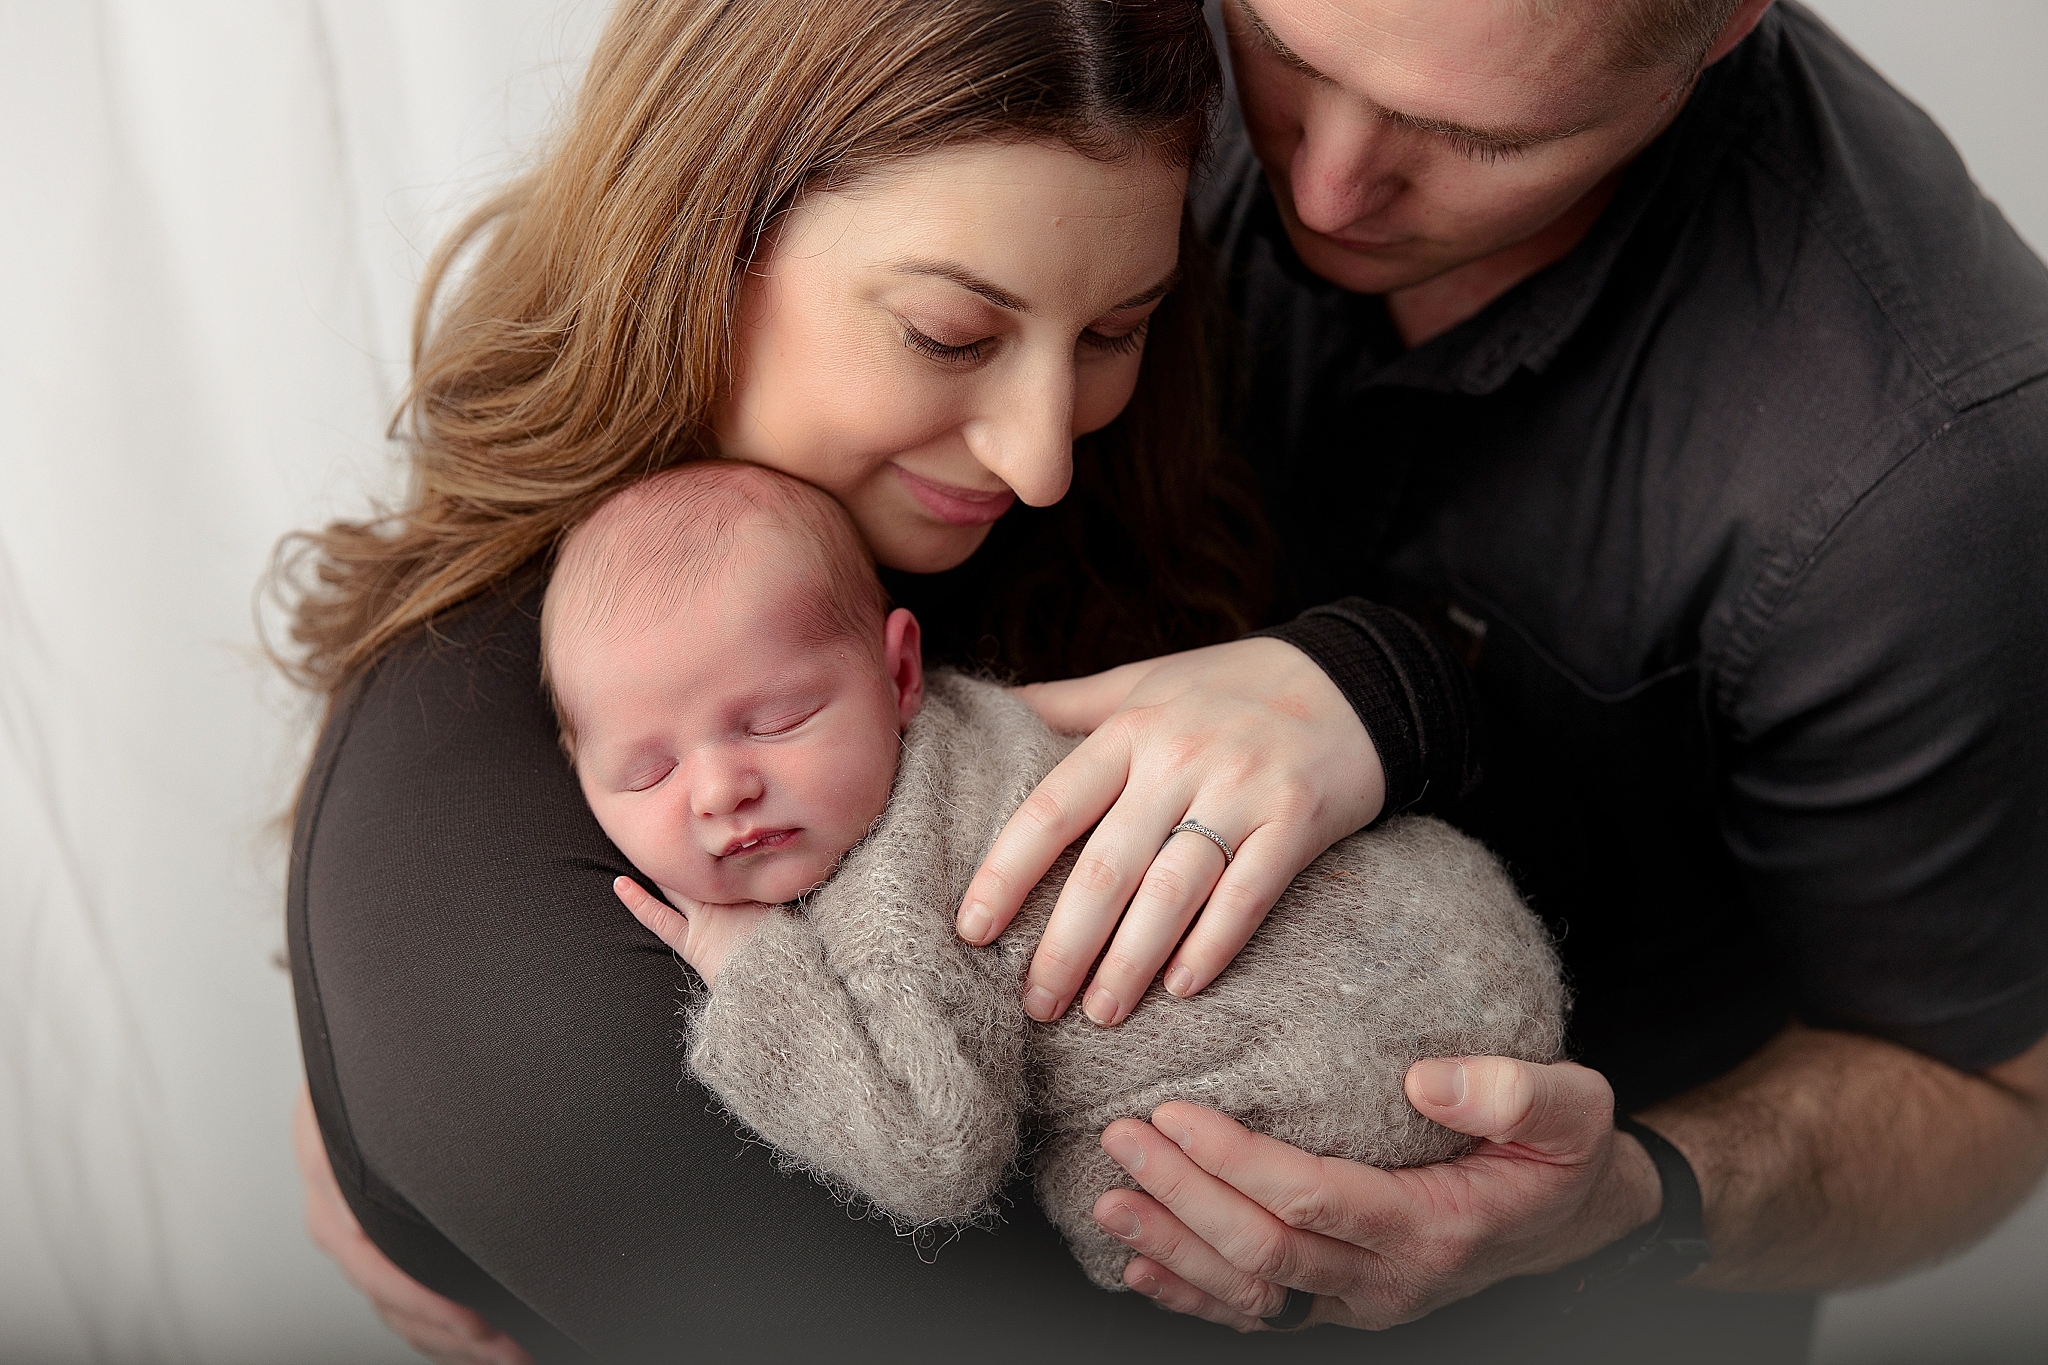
x=722, y=787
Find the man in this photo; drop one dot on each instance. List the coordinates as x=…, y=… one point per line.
x=1665, y=360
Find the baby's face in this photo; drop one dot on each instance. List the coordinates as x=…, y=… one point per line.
x=728, y=758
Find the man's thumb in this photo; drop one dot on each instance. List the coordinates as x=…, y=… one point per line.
x=1558, y=1111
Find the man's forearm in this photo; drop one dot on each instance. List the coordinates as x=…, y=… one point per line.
x=1832, y=1159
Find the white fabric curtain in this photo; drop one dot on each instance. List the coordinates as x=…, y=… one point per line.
x=212, y=217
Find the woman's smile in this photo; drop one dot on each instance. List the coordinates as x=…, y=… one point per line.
x=954, y=505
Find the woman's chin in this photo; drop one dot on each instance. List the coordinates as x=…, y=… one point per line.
x=931, y=548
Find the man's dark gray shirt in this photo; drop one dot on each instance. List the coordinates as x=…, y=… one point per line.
x=1740, y=514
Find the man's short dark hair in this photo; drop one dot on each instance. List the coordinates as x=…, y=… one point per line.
x=1649, y=33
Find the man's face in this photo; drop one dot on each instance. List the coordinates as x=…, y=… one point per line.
x=1405, y=138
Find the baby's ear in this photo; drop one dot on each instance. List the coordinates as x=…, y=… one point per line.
x=903, y=658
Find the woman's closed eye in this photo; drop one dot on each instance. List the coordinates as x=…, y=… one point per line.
x=1120, y=343
x=945, y=353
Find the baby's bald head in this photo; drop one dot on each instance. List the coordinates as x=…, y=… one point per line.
x=649, y=549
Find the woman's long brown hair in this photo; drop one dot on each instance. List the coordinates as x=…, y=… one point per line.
x=589, y=332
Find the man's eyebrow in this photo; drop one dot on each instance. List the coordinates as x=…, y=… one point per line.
x=1002, y=298
x=966, y=279
x=1502, y=139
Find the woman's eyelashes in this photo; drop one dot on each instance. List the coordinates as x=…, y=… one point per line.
x=1121, y=343
x=940, y=351
x=1124, y=343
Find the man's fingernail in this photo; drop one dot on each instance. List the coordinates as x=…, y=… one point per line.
x=1041, y=1004
x=1102, y=1007
x=1441, y=1083
x=1176, y=1133
x=1180, y=981
x=1147, y=1286
x=1125, y=1150
x=974, y=922
x=1121, y=1222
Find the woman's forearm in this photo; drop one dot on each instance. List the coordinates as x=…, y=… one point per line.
x=1832, y=1159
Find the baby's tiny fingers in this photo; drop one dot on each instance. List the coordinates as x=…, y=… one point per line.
x=663, y=921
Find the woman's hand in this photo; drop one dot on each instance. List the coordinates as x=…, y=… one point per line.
x=1252, y=740
x=703, y=934
x=1231, y=1220
x=439, y=1329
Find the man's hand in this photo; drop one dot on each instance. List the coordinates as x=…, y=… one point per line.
x=1231, y=1220
x=1251, y=739
x=703, y=934
x=439, y=1329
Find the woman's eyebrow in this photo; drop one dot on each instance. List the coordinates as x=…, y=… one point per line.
x=1506, y=139
x=1166, y=282
x=966, y=279
x=1002, y=298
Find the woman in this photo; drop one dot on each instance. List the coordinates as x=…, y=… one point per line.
x=921, y=253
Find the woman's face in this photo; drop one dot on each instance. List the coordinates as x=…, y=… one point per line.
x=926, y=346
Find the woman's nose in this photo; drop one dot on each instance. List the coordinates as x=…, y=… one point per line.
x=1345, y=167
x=1026, y=436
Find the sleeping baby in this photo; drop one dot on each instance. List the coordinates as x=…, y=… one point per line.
x=752, y=726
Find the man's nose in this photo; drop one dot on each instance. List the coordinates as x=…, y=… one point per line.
x=1345, y=167
x=1026, y=435
x=720, y=785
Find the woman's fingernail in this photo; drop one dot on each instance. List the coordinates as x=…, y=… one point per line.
x=1441, y=1083
x=1180, y=981
x=1125, y=1150
x=1121, y=1222
x=974, y=922
x=1101, y=1007
x=1147, y=1286
x=1041, y=1004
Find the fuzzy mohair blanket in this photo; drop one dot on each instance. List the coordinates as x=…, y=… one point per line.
x=861, y=1037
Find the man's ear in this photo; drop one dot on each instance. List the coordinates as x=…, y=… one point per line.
x=1737, y=28
x=903, y=659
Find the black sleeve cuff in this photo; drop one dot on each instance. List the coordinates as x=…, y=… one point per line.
x=1415, y=700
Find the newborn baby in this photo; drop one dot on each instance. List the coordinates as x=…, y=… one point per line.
x=751, y=724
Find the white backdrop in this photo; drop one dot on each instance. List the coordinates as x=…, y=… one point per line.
x=212, y=216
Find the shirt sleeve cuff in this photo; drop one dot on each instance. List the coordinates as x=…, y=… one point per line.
x=1415, y=700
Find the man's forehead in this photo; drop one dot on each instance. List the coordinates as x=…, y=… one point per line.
x=1522, y=68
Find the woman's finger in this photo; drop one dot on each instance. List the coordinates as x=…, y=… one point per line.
x=1169, y=896
x=665, y=922
x=1104, y=877
x=1266, y=862
x=1070, y=799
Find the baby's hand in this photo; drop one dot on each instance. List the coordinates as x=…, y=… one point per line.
x=702, y=933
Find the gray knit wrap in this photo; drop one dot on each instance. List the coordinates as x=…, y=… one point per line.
x=870, y=1045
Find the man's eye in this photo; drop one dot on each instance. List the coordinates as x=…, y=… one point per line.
x=1130, y=343
x=940, y=351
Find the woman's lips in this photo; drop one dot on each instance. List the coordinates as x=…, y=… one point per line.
x=954, y=505
x=759, y=841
